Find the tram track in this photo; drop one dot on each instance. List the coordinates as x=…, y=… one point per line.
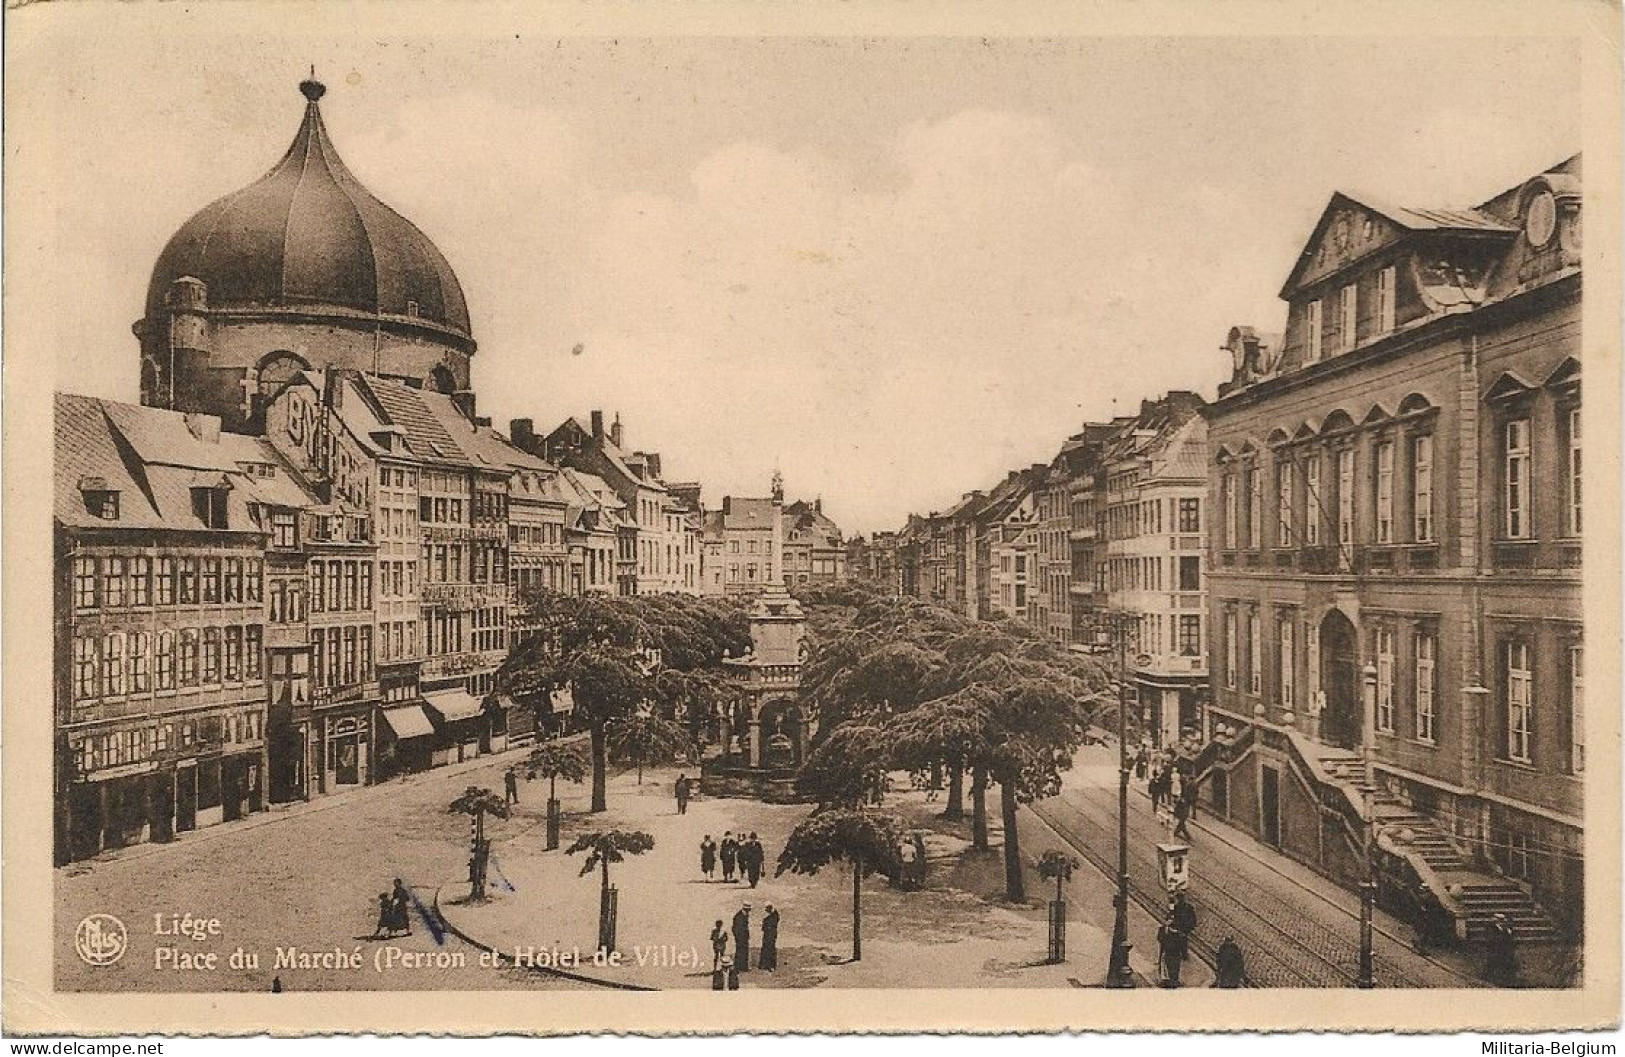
x=1285, y=948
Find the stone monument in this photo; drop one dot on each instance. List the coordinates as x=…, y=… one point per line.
x=766, y=734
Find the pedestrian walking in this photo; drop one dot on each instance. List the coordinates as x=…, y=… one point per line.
x=1171, y=950
x=1183, y=915
x=1182, y=817
x=719, y=945
x=386, y=917
x=510, y=784
x=682, y=790
x=403, y=905
x=1501, y=953
x=1229, y=969
x=1158, y=788
x=1142, y=760
x=769, y=959
x=708, y=856
x=742, y=939
x=1416, y=898
x=754, y=856
x=919, y=858
x=730, y=855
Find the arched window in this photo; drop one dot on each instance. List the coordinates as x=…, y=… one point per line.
x=441, y=380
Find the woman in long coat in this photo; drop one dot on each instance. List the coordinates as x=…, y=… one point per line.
x=708, y=856
x=769, y=958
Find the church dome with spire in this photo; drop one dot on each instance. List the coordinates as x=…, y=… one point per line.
x=303, y=268
x=308, y=234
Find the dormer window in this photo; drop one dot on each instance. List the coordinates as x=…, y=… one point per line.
x=209, y=506
x=100, y=500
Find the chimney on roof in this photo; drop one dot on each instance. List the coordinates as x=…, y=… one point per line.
x=727, y=505
x=522, y=431
x=615, y=434
x=598, y=426
x=463, y=401
x=483, y=420
x=654, y=460
x=204, y=427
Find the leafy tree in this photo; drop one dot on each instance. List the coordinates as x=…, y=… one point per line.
x=603, y=847
x=554, y=760
x=601, y=647
x=867, y=840
x=909, y=684
x=645, y=739
x=478, y=802
x=847, y=764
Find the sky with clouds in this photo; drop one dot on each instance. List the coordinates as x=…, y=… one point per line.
x=892, y=267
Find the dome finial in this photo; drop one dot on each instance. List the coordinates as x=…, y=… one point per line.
x=312, y=89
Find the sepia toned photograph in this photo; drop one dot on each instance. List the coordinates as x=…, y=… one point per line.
x=946, y=521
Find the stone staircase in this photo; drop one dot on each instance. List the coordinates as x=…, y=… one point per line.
x=1474, y=896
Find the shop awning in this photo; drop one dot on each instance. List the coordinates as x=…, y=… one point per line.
x=454, y=704
x=408, y=721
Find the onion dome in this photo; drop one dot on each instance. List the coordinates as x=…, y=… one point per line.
x=307, y=237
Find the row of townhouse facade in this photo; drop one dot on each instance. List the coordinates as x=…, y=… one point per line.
x=298, y=564
x=1359, y=565
x=251, y=619
x=1114, y=521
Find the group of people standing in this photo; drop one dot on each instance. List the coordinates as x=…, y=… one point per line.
x=743, y=857
x=1173, y=793
x=1174, y=939
x=394, y=913
x=768, y=956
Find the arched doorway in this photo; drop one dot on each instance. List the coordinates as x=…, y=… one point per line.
x=1342, y=720
x=780, y=728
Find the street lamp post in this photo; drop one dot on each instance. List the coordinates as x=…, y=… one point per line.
x=1118, y=973
x=1368, y=886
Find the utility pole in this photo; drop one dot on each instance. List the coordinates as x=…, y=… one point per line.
x=1118, y=973
x=1367, y=977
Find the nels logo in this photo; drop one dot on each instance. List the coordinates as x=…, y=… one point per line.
x=100, y=939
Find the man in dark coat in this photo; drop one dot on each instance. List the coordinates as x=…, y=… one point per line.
x=1183, y=916
x=682, y=791
x=510, y=784
x=1501, y=954
x=730, y=855
x=753, y=856
x=1171, y=950
x=770, y=940
x=742, y=939
x=1229, y=969
x=1182, y=815
x=1158, y=788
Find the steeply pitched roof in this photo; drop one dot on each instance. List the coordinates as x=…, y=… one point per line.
x=743, y=513
x=150, y=457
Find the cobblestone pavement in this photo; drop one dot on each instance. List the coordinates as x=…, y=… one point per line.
x=304, y=878
x=1291, y=936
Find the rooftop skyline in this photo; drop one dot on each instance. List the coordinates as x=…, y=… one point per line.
x=892, y=268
